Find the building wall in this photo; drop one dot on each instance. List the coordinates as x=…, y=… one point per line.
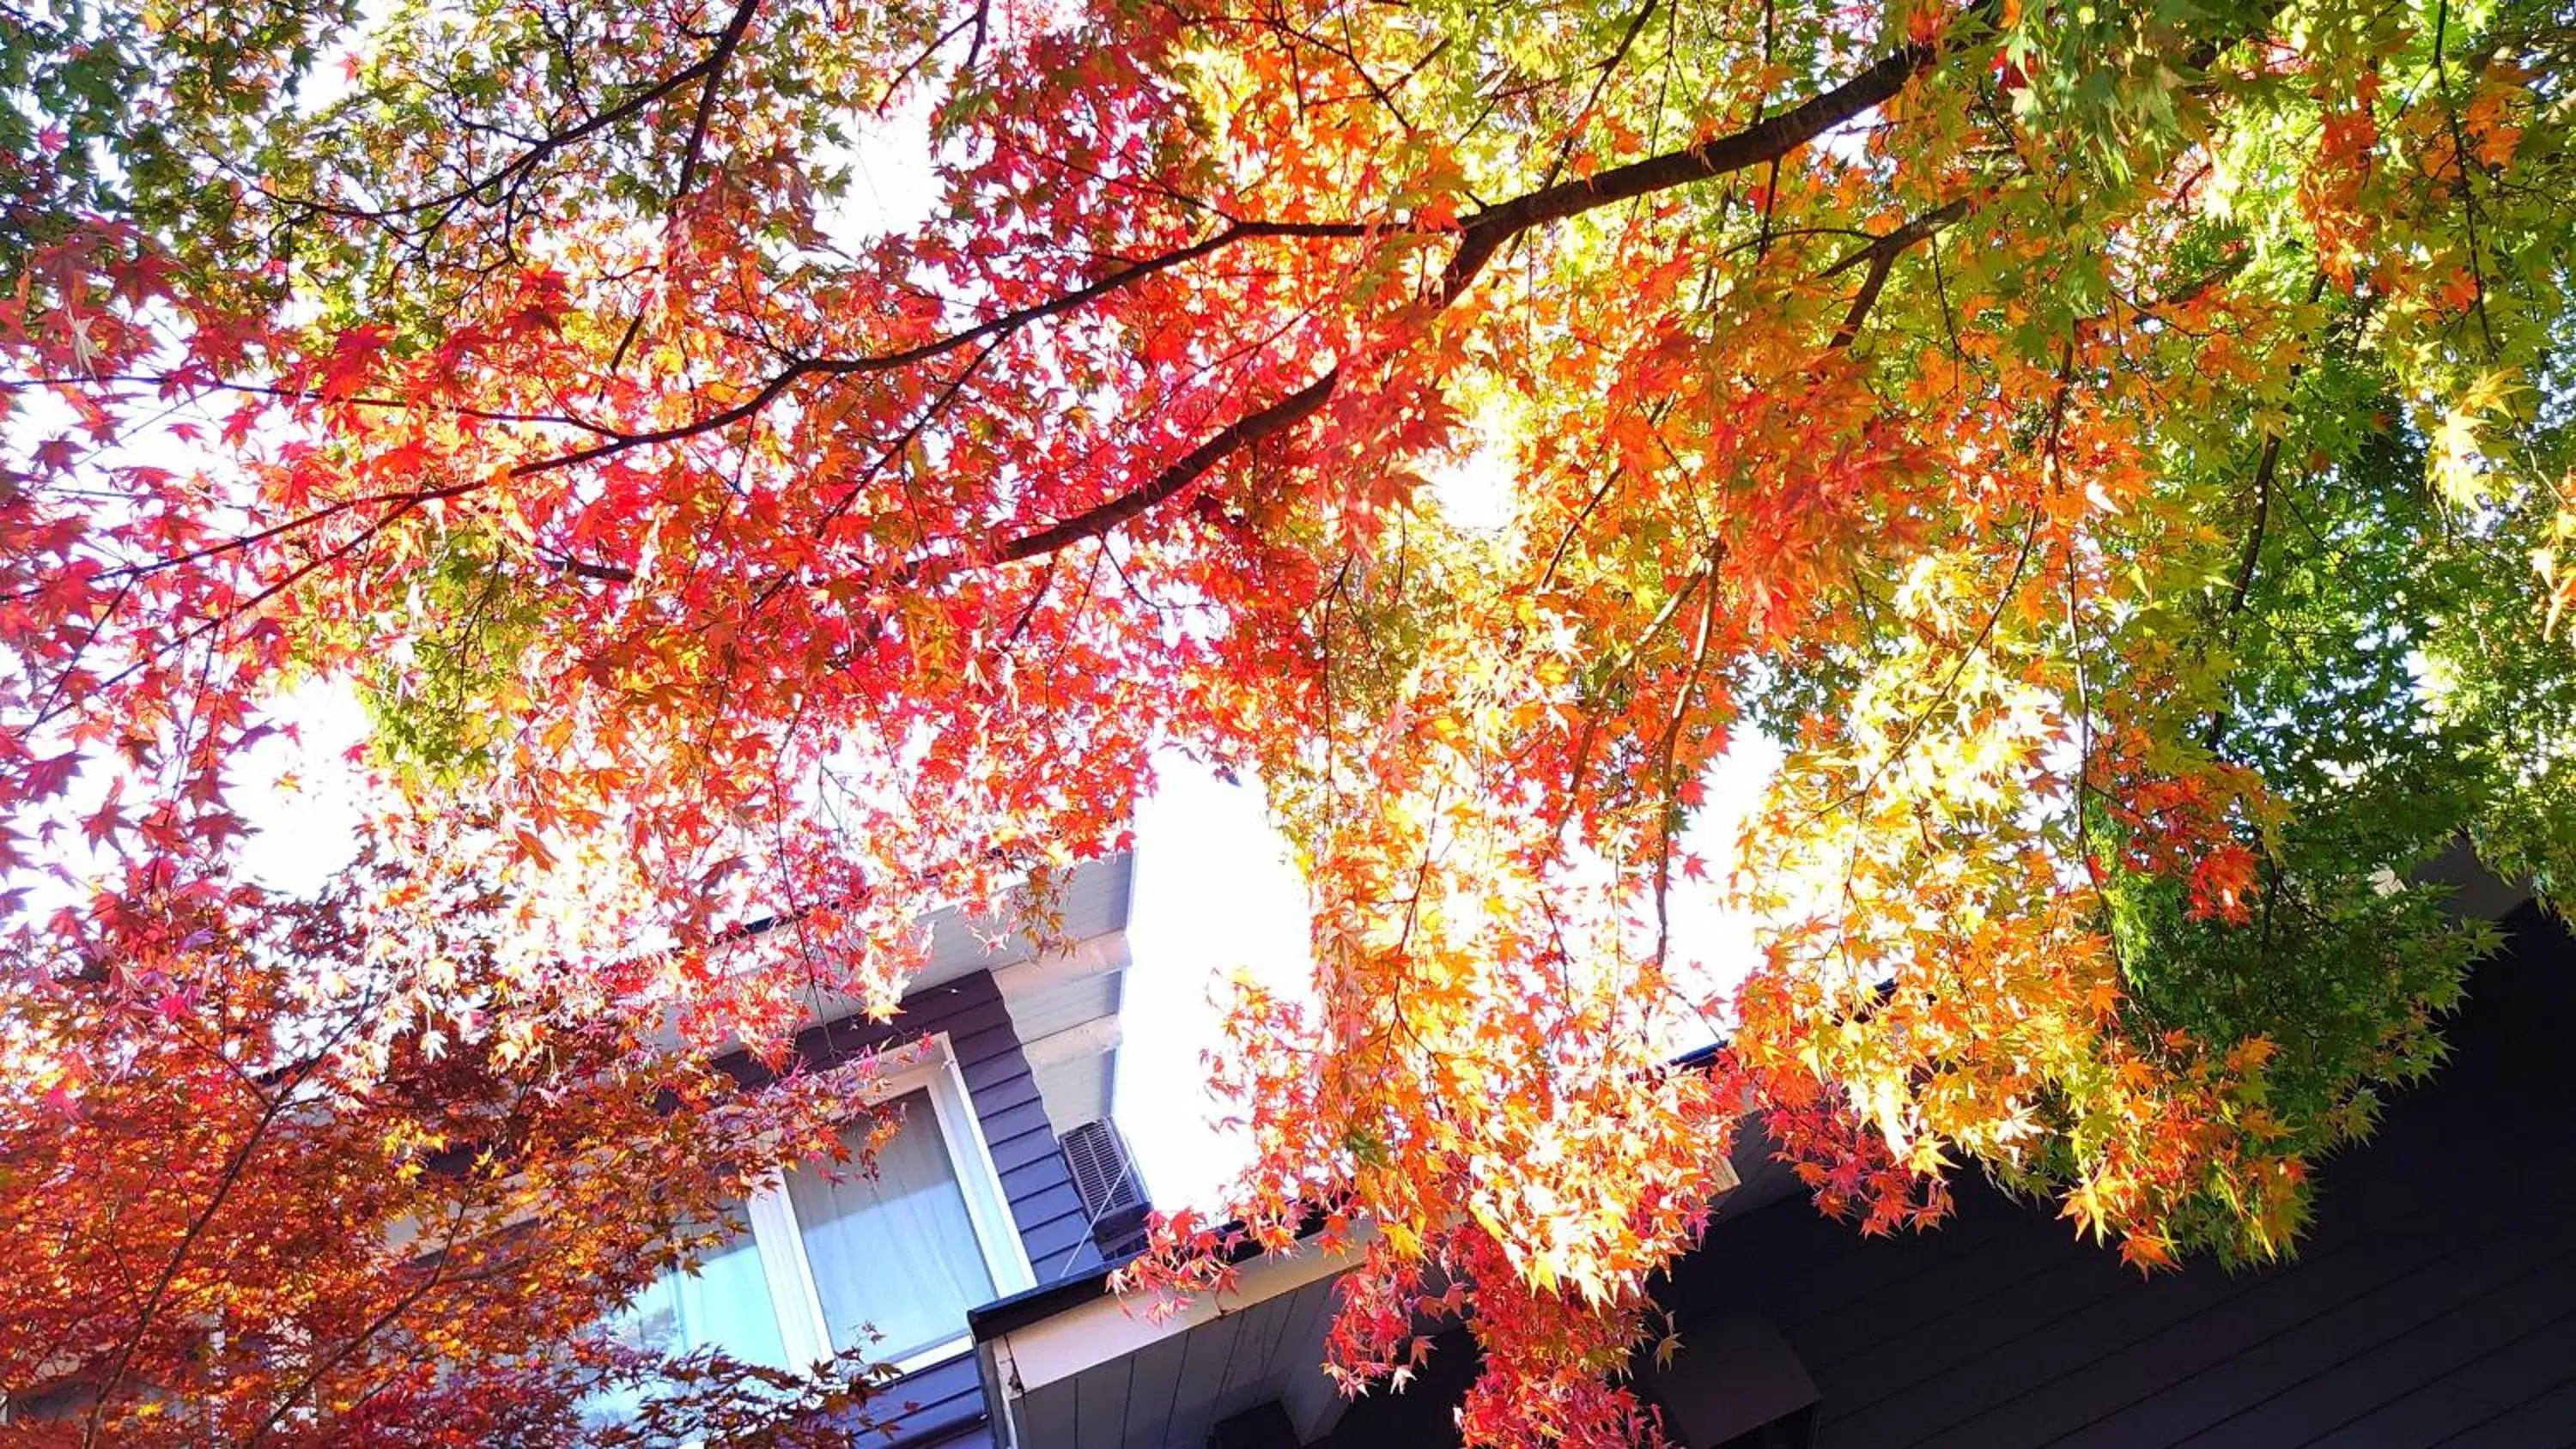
x=2433, y=1303
x=1034, y=1177
x=944, y=1403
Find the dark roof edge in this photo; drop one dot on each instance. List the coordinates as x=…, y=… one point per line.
x=1036, y=1305
x=1033, y=1305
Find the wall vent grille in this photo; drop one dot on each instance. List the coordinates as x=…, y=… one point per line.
x=1112, y=1195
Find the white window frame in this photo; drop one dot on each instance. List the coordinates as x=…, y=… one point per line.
x=929, y=1065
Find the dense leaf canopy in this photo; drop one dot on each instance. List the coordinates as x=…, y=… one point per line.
x=2119, y=453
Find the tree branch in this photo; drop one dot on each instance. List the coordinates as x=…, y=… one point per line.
x=1479, y=238
x=999, y=325
x=726, y=44
x=1483, y=235
x=546, y=145
x=225, y=1181
x=1178, y=474
x=1756, y=144
x=690, y=155
x=1881, y=254
x=2266, y=467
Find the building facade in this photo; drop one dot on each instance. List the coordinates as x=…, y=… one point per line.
x=999, y=1058
x=2434, y=1303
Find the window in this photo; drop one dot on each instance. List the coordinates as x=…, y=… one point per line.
x=896, y=1249
x=724, y=1304
x=833, y=1252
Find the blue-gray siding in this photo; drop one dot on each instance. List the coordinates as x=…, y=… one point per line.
x=940, y=1405
x=2433, y=1304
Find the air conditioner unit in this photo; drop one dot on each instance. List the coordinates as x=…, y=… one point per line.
x=1113, y=1196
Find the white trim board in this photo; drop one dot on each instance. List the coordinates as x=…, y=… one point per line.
x=1108, y=1327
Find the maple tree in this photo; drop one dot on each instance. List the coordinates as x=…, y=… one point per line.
x=2119, y=452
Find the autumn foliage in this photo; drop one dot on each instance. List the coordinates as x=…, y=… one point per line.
x=2117, y=453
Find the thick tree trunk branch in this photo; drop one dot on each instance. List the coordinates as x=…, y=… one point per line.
x=1761, y=142
x=1486, y=232
x=1178, y=474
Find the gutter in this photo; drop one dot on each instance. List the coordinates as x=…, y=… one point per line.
x=1036, y=1305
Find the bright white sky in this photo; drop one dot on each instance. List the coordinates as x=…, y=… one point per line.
x=1215, y=891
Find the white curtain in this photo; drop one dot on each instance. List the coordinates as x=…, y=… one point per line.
x=894, y=1250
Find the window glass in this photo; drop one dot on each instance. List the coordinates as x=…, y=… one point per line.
x=724, y=1304
x=892, y=1249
